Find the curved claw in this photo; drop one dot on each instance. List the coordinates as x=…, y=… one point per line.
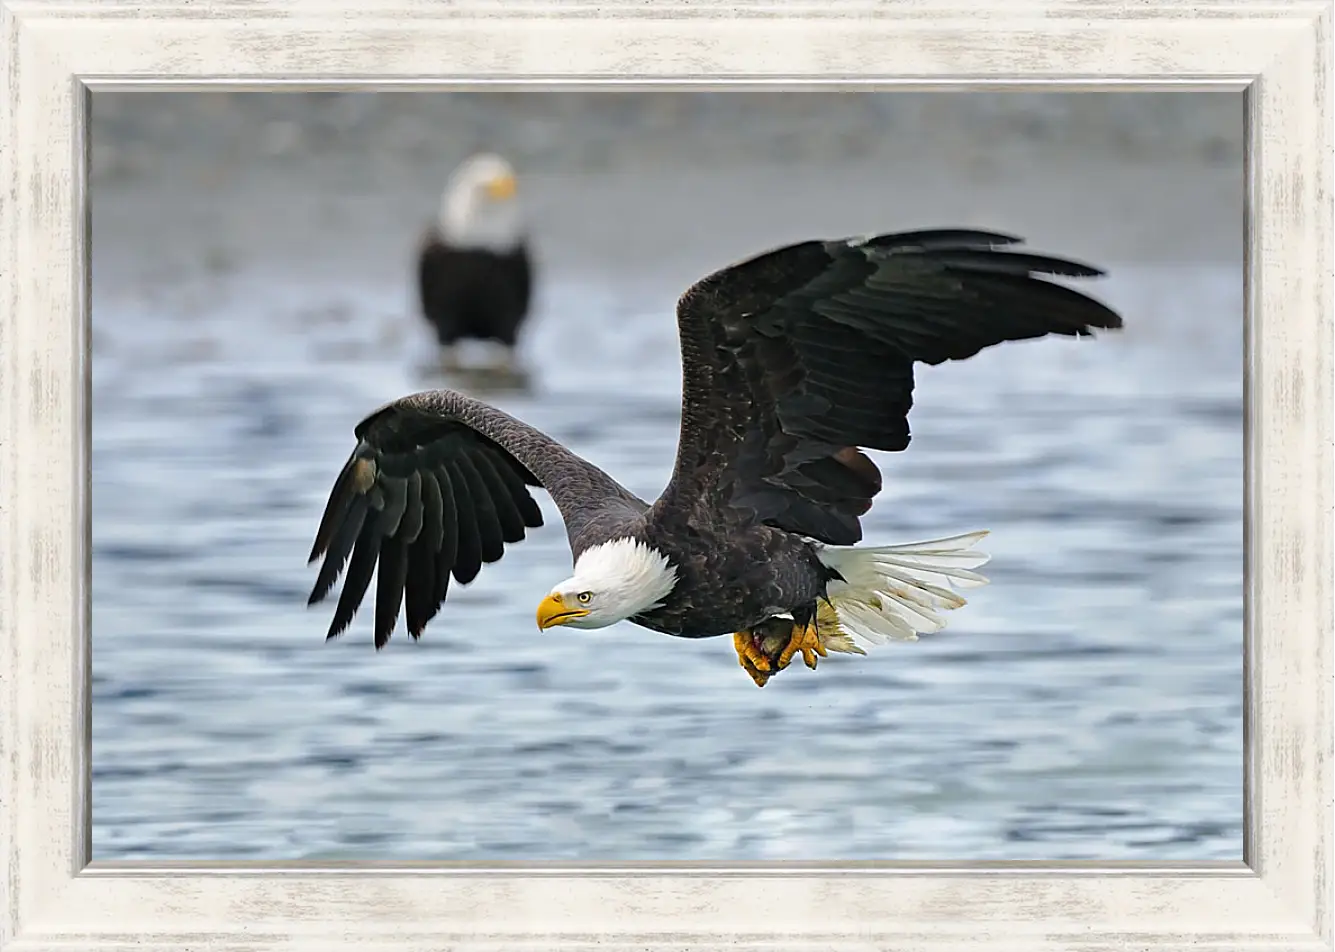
x=806, y=641
x=751, y=656
x=764, y=653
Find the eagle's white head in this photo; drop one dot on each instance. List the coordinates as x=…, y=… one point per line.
x=612, y=581
x=480, y=207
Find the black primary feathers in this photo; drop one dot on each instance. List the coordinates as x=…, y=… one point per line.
x=430, y=499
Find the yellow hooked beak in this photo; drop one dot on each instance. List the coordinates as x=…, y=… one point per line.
x=501, y=187
x=552, y=611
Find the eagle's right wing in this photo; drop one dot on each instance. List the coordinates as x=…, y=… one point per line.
x=437, y=486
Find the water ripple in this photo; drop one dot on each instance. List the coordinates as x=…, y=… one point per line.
x=1087, y=704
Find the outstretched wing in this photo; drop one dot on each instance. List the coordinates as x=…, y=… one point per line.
x=794, y=359
x=438, y=485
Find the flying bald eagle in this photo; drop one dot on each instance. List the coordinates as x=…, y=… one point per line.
x=791, y=362
x=474, y=272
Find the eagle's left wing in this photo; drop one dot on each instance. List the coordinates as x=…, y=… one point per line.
x=794, y=359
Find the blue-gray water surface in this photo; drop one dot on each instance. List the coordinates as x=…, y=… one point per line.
x=1087, y=704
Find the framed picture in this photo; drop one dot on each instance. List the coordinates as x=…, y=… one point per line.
x=232, y=231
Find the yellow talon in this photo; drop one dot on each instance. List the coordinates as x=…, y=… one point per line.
x=749, y=649
x=805, y=640
x=771, y=647
x=751, y=656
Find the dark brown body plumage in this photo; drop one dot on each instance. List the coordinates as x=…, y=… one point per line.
x=792, y=361
x=473, y=293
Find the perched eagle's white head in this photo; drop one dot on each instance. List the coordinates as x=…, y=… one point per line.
x=480, y=207
x=612, y=581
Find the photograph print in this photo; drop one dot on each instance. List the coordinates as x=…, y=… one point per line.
x=724, y=476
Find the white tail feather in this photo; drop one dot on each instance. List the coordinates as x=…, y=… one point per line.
x=895, y=592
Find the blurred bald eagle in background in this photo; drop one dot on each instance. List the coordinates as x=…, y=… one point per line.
x=474, y=270
x=791, y=362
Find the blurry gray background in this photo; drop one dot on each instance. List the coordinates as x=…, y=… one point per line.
x=253, y=299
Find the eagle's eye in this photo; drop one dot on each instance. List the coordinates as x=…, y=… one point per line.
x=585, y=597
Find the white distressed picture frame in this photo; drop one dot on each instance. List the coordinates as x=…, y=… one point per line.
x=54, y=51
